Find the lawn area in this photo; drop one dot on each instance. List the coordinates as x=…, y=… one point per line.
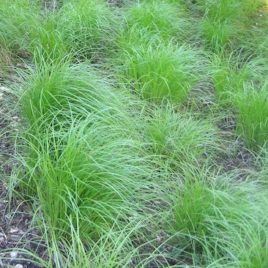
x=134, y=133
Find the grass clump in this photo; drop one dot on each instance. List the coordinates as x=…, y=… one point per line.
x=224, y=20
x=253, y=40
x=230, y=75
x=77, y=89
x=163, y=72
x=79, y=28
x=179, y=138
x=47, y=42
x=81, y=161
x=220, y=223
x=253, y=116
x=81, y=176
x=87, y=27
x=18, y=20
x=160, y=18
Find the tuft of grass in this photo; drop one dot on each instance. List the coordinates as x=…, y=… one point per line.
x=180, y=138
x=87, y=28
x=220, y=223
x=18, y=20
x=47, y=42
x=162, y=72
x=229, y=77
x=224, y=20
x=253, y=40
x=81, y=176
x=253, y=115
x=79, y=28
x=160, y=18
x=80, y=153
x=78, y=90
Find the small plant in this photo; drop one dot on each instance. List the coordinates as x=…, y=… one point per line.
x=18, y=20
x=47, y=41
x=217, y=34
x=166, y=20
x=179, y=139
x=224, y=20
x=194, y=206
x=229, y=77
x=76, y=89
x=81, y=159
x=162, y=72
x=219, y=223
x=253, y=115
x=81, y=176
x=86, y=27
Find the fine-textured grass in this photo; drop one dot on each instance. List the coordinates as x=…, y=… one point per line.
x=224, y=20
x=221, y=223
x=165, y=20
x=47, y=42
x=17, y=21
x=83, y=164
x=65, y=91
x=179, y=139
x=81, y=176
x=253, y=115
x=77, y=27
x=79, y=159
x=253, y=40
x=87, y=27
x=230, y=75
x=119, y=170
x=164, y=72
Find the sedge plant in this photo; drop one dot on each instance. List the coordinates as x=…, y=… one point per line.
x=87, y=28
x=162, y=72
x=231, y=74
x=81, y=156
x=18, y=20
x=179, y=139
x=165, y=20
x=224, y=20
x=220, y=223
x=252, y=119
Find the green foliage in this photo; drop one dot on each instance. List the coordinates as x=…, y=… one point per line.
x=253, y=115
x=81, y=176
x=86, y=27
x=229, y=78
x=17, y=21
x=79, y=156
x=180, y=138
x=163, y=72
x=221, y=223
x=119, y=170
x=78, y=27
x=225, y=20
x=166, y=20
x=47, y=42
